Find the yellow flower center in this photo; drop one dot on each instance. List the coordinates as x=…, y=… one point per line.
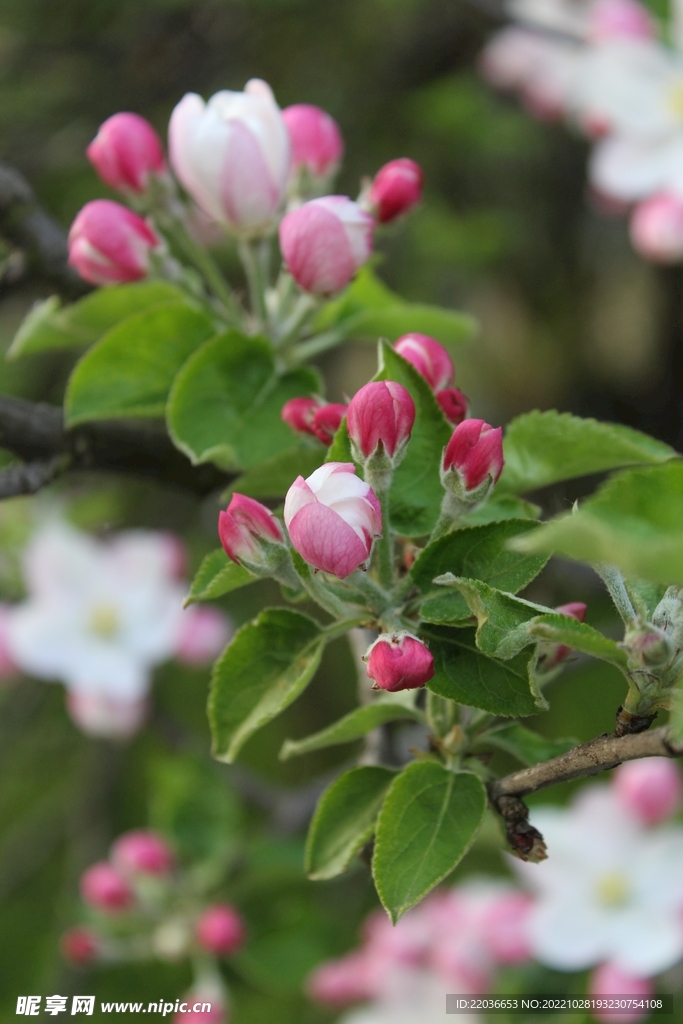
x=614, y=890
x=675, y=98
x=104, y=621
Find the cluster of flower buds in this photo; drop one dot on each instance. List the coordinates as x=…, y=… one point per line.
x=315, y=417
x=432, y=361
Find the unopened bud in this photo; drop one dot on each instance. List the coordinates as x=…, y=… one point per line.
x=104, y=888
x=550, y=655
x=648, y=646
x=251, y=535
x=298, y=414
x=109, y=244
x=453, y=404
x=79, y=945
x=429, y=357
x=327, y=420
x=470, y=467
x=396, y=189
x=380, y=418
x=317, y=142
x=651, y=788
x=125, y=152
x=324, y=242
x=220, y=929
x=142, y=852
x=399, y=661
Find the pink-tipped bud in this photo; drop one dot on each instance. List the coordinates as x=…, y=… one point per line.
x=220, y=929
x=327, y=420
x=125, y=152
x=203, y=633
x=317, y=143
x=105, y=888
x=453, y=404
x=298, y=414
x=381, y=416
x=475, y=453
x=396, y=188
x=324, y=242
x=399, y=661
x=657, y=228
x=341, y=982
x=651, y=788
x=429, y=358
x=246, y=529
x=610, y=980
x=79, y=945
x=141, y=852
x=109, y=244
x=333, y=517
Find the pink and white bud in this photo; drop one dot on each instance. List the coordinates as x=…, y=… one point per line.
x=380, y=418
x=203, y=633
x=109, y=244
x=651, y=788
x=79, y=945
x=298, y=414
x=429, y=357
x=333, y=517
x=619, y=19
x=104, y=888
x=608, y=980
x=317, y=142
x=246, y=529
x=232, y=155
x=125, y=152
x=324, y=242
x=341, y=982
x=657, y=228
x=399, y=661
x=396, y=189
x=327, y=420
x=454, y=405
x=142, y=852
x=220, y=929
x=474, y=453
x=97, y=714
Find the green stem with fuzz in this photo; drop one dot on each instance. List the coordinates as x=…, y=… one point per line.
x=252, y=262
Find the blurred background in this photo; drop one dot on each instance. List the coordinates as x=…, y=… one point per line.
x=570, y=318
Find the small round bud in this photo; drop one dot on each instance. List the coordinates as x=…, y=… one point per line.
x=298, y=414
x=317, y=142
x=327, y=420
x=429, y=357
x=142, y=853
x=324, y=242
x=79, y=945
x=104, y=888
x=109, y=244
x=453, y=404
x=475, y=453
x=650, y=788
x=396, y=189
x=247, y=530
x=220, y=929
x=125, y=152
x=399, y=661
x=381, y=416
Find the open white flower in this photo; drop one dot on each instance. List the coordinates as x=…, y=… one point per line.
x=610, y=891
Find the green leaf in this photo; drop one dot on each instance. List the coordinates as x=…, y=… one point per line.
x=344, y=820
x=368, y=309
x=269, y=662
x=217, y=575
x=478, y=552
x=560, y=629
x=49, y=325
x=633, y=521
x=428, y=821
x=501, y=507
x=463, y=674
x=130, y=371
x=226, y=401
x=351, y=727
x=543, y=447
x=416, y=491
x=274, y=477
x=528, y=747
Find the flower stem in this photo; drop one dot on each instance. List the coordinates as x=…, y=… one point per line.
x=252, y=262
x=385, y=545
x=205, y=264
x=614, y=582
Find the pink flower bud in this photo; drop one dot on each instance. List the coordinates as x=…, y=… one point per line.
x=220, y=929
x=141, y=852
x=651, y=788
x=244, y=527
x=397, y=187
x=332, y=518
x=125, y=152
x=79, y=945
x=327, y=420
x=232, y=154
x=203, y=633
x=657, y=228
x=551, y=655
x=109, y=244
x=317, y=143
x=619, y=19
x=298, y=414
x=341, y=982
x=429, y=358
x=475, y=452
x=454, y=405
x=324, y=242
x=381, y=413
x=609, y=980
x=97, y=714
x=399, y=661
x=104, y=888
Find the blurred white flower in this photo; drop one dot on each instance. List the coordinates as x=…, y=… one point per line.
x=610, y=891
x=416, y=997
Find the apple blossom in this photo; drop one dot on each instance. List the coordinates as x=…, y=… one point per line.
x=104, y=888
x=429, y=357
x=396, y=189
x=650, y=788
x=125, y=152
x=220, y=929
x=399, y=661
x=325, y=241
x=204, y=631
x=341, y=982
x=233, y=155
x=250, y=533
x=380, y=418
x=317, y=142
x=454, y=405
x=142, y=852
x=79, y=945
x=608, y=981
x=333, y=517
x=109, y=244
